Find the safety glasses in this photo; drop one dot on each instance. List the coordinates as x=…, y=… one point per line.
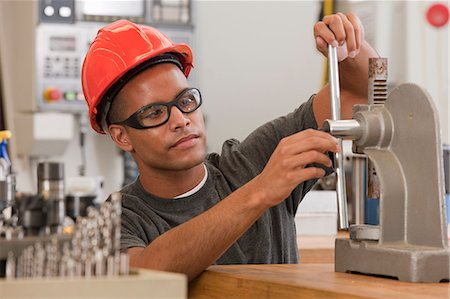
x=157, y=114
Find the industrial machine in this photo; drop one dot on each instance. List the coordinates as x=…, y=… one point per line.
x=40, y=233
x=50, y=236
x=400, y=135
x=41, y=245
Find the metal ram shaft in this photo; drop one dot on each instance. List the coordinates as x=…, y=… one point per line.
x=333, y=77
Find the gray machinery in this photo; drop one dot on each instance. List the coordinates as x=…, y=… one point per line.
x=43, y=243
x=401, y=137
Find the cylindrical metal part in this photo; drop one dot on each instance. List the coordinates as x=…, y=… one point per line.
x=341, y=190
x=10, y=266
x=56, y=212
x=110, y=265
x=32, y=221
x=373, y=183
x=11, y=190
x=31, y=214
x=447, y=169
x=88, y=268
x=377, y=127
x=333, y=75
x=51, y=180
x=365, y=232
x=50, y=171
x=51, y=187
x=4, y=202
x=124, y=263
x=7, y=191
x=359, y=174
x=345, y=129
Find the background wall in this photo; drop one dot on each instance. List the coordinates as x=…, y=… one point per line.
x=255, y=60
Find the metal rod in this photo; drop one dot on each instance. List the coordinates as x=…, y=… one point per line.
x=333, y=76
x=345, y=129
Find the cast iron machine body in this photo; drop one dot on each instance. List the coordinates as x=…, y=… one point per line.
x=401, y=137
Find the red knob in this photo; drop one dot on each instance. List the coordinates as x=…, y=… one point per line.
x=52, y=94
x=437, y=15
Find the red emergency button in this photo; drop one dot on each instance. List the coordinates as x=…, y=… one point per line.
x=52, y=94
x=437, y=15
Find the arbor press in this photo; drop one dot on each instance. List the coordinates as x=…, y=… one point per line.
x=401, y=137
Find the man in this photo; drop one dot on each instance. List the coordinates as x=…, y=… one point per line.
x=188, y=210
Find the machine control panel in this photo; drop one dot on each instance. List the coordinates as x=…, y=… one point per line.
x=60, y=50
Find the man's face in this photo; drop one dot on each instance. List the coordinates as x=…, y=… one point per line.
x=180, y=143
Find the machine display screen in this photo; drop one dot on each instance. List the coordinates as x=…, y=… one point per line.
x=127, y=8
x=62, y=43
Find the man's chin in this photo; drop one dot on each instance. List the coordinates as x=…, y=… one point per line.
x=184, y=159
x=190, y=162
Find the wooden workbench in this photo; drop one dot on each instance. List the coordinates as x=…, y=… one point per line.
x=304, y=281
x=317, y=249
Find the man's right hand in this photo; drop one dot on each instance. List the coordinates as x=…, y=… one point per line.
x=288, y=165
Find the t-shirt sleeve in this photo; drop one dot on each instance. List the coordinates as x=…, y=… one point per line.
x=129, y=237
x=138, y=228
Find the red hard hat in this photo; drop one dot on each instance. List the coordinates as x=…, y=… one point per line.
x=119, y=51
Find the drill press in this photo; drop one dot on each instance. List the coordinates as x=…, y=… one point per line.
x=401, y=137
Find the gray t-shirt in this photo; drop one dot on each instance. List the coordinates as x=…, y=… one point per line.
x=271, y=239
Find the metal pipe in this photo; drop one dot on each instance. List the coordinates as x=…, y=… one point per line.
x=345, y=129
x=333, y=75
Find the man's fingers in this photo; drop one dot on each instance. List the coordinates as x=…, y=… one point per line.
x=358, y=28
x=314, y=133
x=336, y=25
x=311, y=157
x=321, y=45
x=318, y=144
x=308, y=140
x=311, y=173
x=301, y=160
x=343, y=30
x=350, y=38
x=323, y=31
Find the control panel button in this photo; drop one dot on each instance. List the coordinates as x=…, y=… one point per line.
x=52, y=94
x=70, y=95
x=49, y=11
x=65, y=11
x=80, y=96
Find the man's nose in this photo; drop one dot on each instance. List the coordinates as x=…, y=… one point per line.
x=177, y=118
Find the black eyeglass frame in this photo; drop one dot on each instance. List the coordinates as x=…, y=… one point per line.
x=133, y=122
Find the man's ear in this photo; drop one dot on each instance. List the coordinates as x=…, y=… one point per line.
x=120, y=136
